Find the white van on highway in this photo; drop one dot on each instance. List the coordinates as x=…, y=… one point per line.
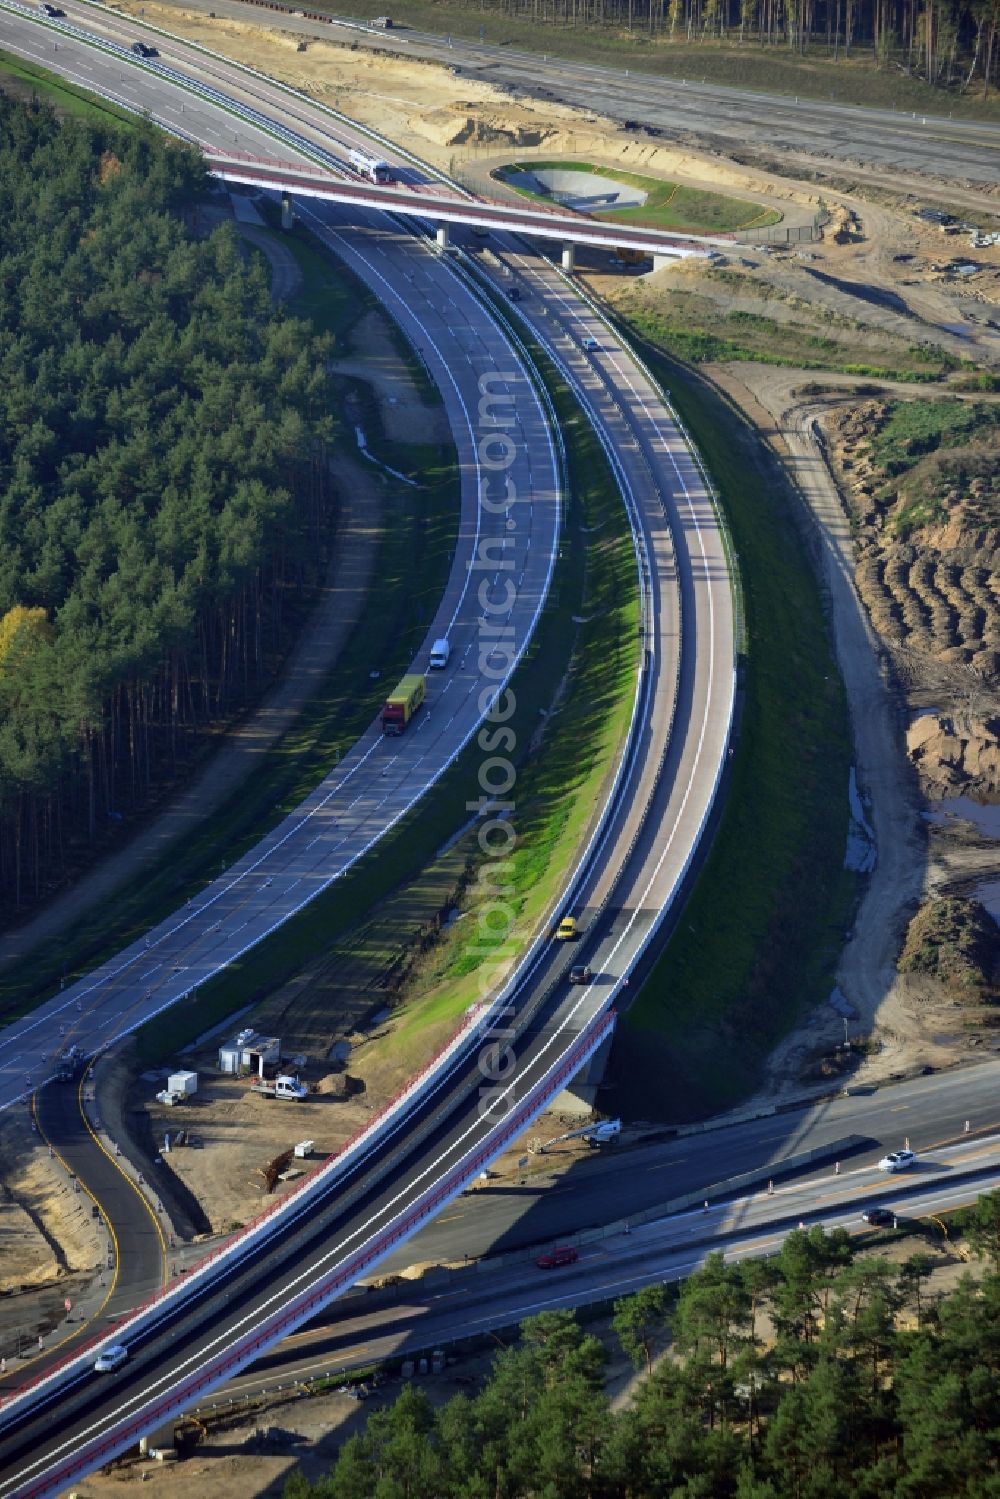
x=440, y=652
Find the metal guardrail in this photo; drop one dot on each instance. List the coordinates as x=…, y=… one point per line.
x=306, y=1305
x=368, y=1136
x=735, y=591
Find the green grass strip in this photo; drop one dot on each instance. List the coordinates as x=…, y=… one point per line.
x=757, y=940
x=26, y=79
x=588, y=669
x=667, y=205
x=414, y=559
x=766, y=340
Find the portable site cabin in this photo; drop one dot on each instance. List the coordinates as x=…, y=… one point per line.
x=249, y=1052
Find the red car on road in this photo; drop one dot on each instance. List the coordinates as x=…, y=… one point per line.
x=564, y=1255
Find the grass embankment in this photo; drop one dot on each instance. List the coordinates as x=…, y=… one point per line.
x=414, y=557
x=668, y=205
x=933, y=453
x=26, y=80
x=584, y=712
x=560, y=789
x=956, y=941
x=694, y=326
x=847, y=78
x=756, y=943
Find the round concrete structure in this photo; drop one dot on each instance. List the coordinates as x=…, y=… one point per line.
x=587, y=192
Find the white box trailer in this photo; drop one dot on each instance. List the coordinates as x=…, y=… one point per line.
x=182, y=1082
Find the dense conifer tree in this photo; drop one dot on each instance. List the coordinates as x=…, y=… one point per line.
x=849, y=1400
x=162, y=481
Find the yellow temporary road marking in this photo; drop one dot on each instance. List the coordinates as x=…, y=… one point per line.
x=57, y=1155
x=135, y=1188
x=48, y=1352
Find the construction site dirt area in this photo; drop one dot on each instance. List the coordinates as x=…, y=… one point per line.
x=465, y=127
x=879, y=284
x=248, y=1445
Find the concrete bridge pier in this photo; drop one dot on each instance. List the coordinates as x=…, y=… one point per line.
x=443, y=237
x=160, y=1440
x=287, y=217
x=569, y=257
x=578, y=1097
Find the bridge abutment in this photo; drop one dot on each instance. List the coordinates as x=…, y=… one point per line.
x=579, y=1095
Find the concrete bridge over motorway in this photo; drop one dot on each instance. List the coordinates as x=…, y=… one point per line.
x=430, y=201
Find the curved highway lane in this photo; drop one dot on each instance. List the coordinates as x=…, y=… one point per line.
x=635, y=868
x=483, y=383
x=840, y=136
x=137, y=1241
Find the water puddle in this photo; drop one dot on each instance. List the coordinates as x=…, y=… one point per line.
x=984, y=816
x=989, y=895
x=860, y=853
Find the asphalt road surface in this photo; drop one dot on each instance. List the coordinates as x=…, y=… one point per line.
x=841, y=136
x=689, y=719
x=687, y=676
x=405, y=1321
x=757, y=1223
x=616, y=1183
x=471, y=361
x=449, y=208
x=137, y=1263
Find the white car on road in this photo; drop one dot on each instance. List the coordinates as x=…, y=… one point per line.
x=112, y=1358
x=897, y=1160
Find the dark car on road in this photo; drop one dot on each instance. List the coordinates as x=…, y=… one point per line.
x=143, y=49
x=49, y=10
x=565, y=1254
x=879, y=1217
x=581, y=973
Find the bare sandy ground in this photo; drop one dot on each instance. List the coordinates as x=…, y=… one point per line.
x=50, y=1249
x=419, y=104
x=405, y=417
x=911, y=1021
x=464, y=126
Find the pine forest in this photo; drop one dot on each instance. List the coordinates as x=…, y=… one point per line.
x=163, y=482
x=819, y=1373
x=947, y=43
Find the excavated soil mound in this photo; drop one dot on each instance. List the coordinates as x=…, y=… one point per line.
x=956, y=756
x=933, y=590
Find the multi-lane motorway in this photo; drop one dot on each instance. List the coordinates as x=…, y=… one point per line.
x=400, y=1321
x=613, y=1184
x=667, y=785
x=472, y=361
x=665, y=789
x=445, y=209
x=903, y=145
